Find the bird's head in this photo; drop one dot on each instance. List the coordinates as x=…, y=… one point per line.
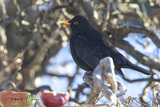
x=78, y=24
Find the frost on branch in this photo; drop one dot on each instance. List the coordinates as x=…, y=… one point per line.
x=103, y=81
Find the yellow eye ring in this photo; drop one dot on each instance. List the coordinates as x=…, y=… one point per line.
x=75, y=23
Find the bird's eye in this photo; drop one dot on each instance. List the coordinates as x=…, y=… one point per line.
x=75, y=23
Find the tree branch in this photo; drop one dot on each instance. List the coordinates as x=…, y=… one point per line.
x=124, y=31
x=104, y=81
x=150, y=62
x=89, y=12
x=107, y=16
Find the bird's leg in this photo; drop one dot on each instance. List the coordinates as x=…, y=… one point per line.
x=93, y=96
x=88, y=78
x=121, y=73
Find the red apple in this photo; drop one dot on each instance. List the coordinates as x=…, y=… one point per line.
x=53, y=99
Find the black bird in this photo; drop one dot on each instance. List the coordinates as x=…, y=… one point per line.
x=88, y=47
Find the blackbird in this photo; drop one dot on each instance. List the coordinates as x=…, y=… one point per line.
x=88, y=47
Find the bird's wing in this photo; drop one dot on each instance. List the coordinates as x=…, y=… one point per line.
x=111, y=51
x=88, y=51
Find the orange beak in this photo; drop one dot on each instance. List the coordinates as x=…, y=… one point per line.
x=65, y=22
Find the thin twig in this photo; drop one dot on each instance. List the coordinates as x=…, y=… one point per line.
x=107, y=16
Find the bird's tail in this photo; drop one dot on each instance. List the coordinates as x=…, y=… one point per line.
x=139, y=69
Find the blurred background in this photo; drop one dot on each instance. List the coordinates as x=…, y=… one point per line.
x=34, y=45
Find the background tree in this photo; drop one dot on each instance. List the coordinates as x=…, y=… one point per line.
x=31, y=33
